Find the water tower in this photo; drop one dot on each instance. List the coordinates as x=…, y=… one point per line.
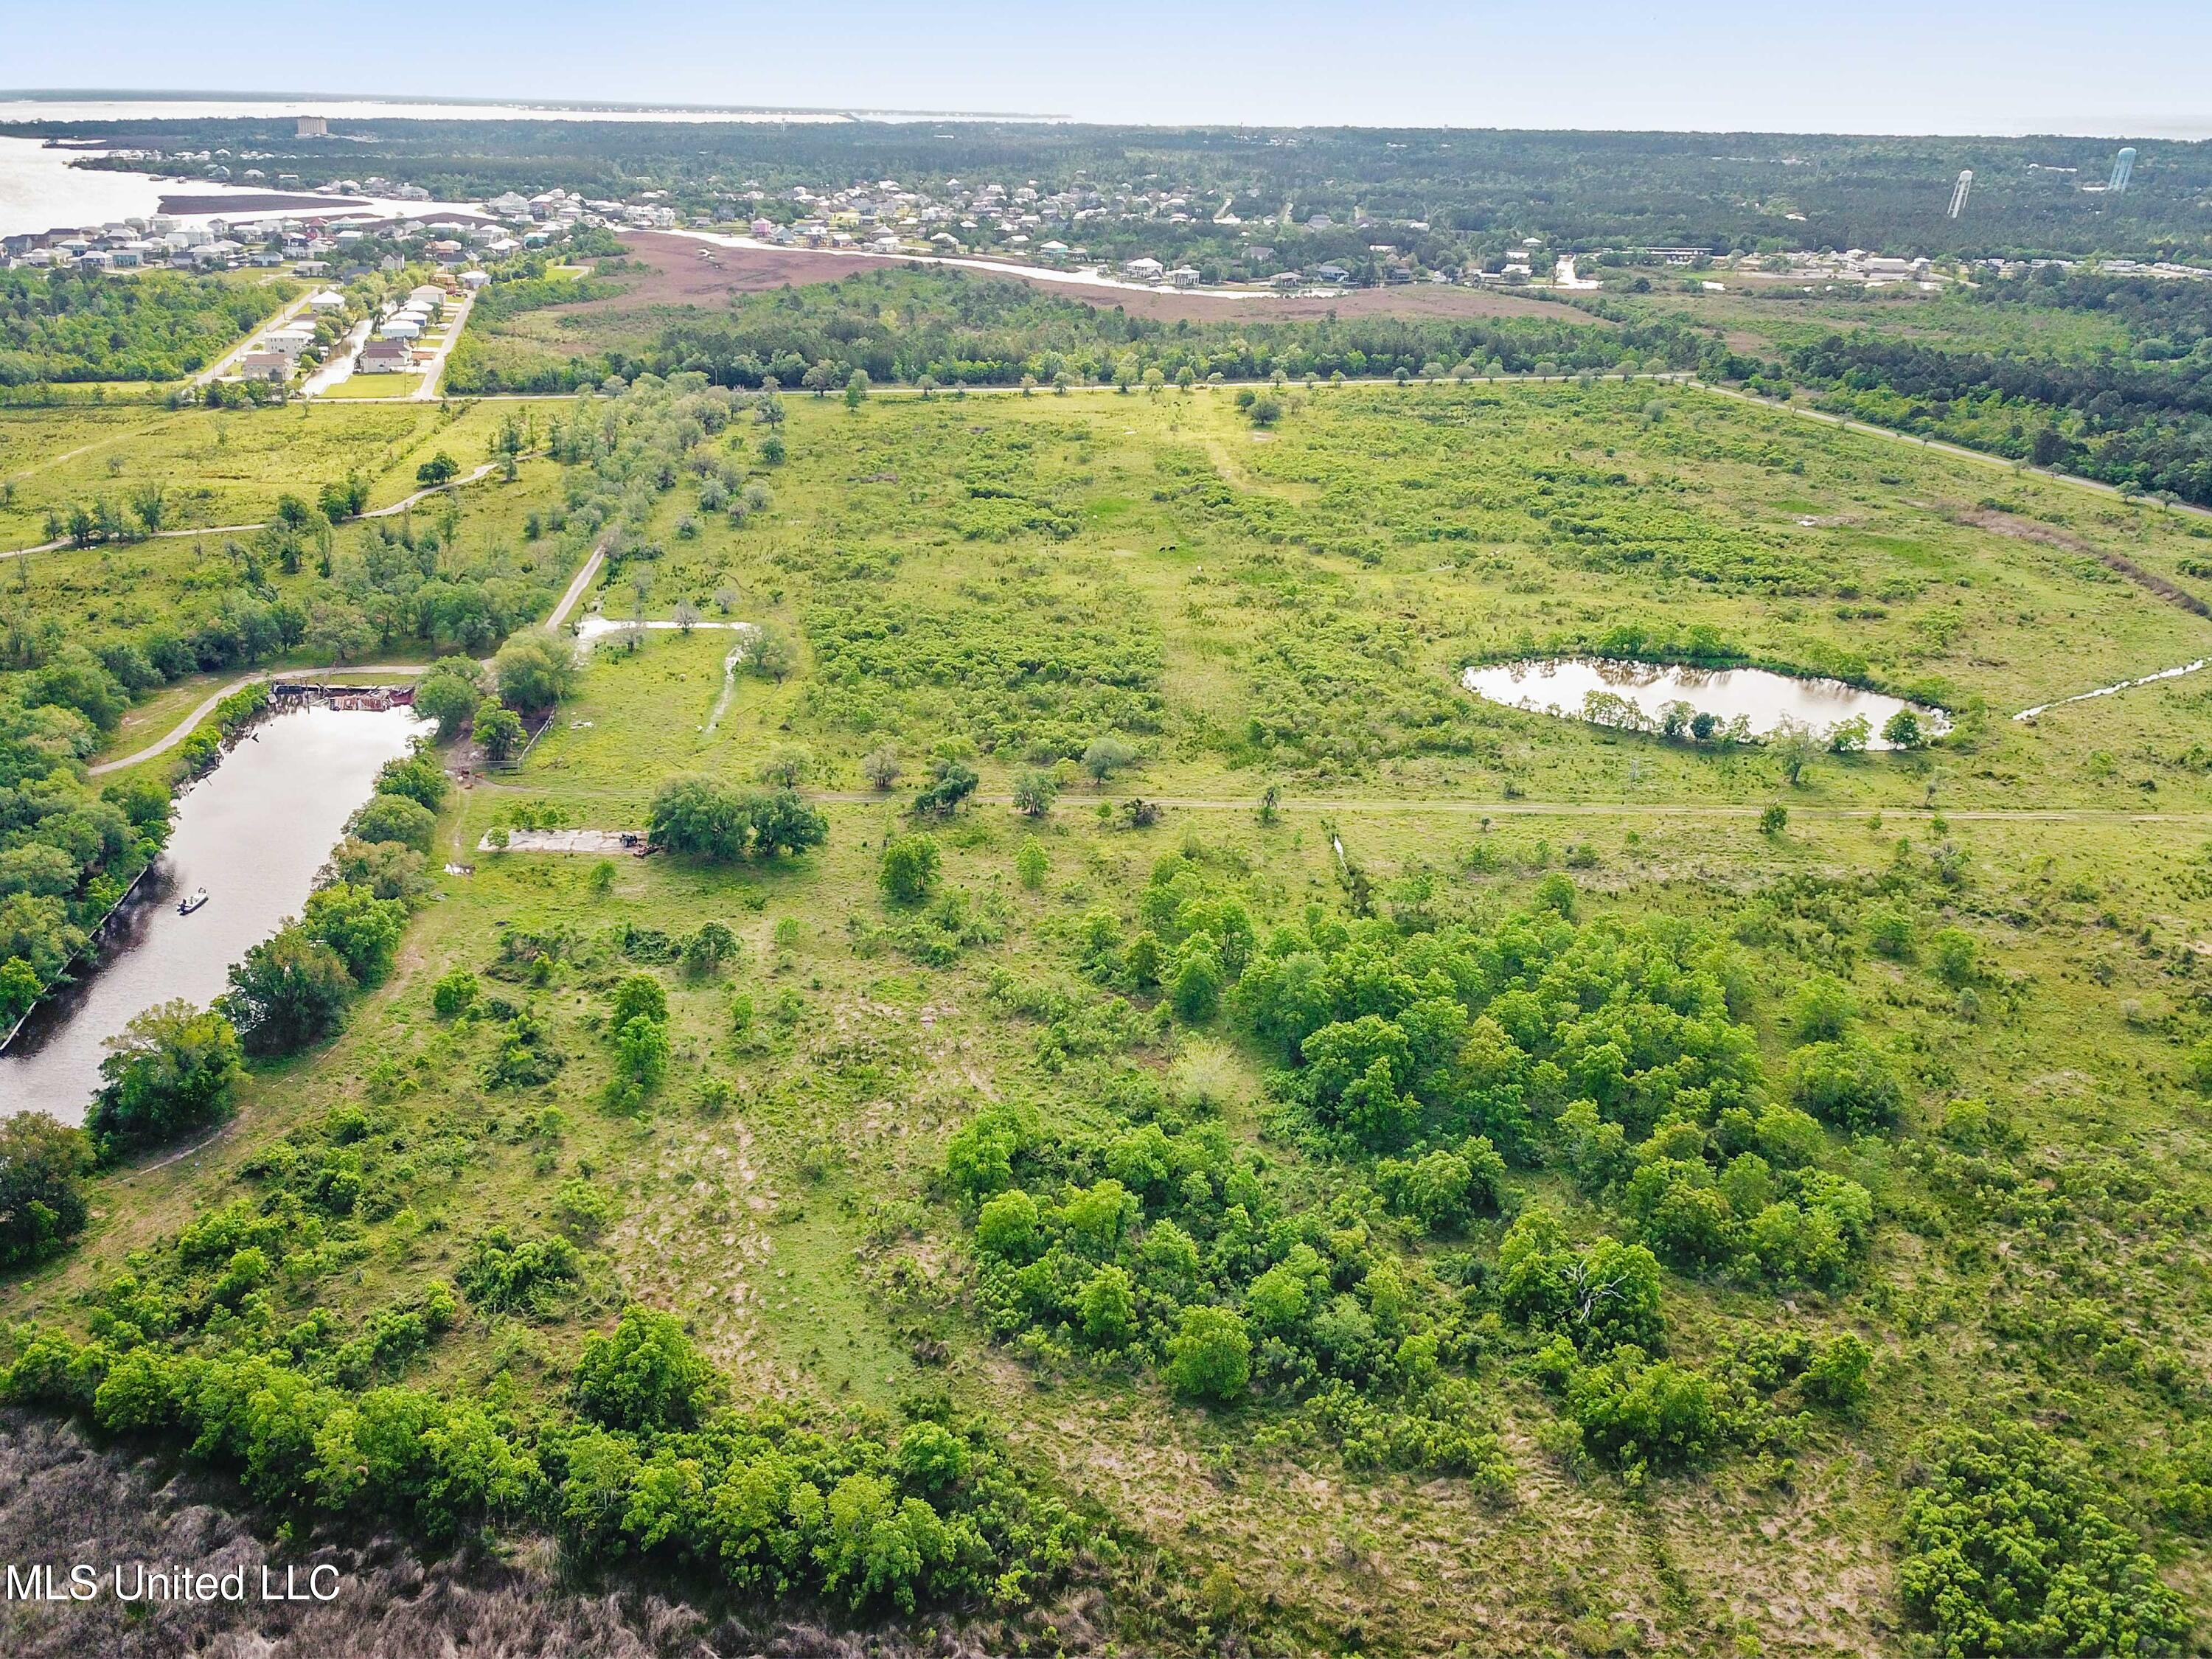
x=1958, y=192
x=2122, y=164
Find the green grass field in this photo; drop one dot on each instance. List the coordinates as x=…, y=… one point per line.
x=1003, y=579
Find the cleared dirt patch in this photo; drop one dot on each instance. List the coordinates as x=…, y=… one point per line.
x=681, y=275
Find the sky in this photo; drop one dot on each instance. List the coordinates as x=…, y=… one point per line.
x=1942, y=66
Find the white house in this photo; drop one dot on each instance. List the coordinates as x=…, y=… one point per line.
x=400, y=328
x=328, y=300
x=385, y=357
x=1143, y=269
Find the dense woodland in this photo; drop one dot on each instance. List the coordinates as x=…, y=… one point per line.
x=943, y=328
x=65, y=326
x=2142, y=421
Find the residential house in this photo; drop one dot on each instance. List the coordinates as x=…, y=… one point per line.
x=272, y=368
x=385, y=357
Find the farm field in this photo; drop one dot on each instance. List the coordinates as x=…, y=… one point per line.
x=1291, y=1158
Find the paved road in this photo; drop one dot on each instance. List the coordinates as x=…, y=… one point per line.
x=427, y=392
x=577, y=588
x=184, y=729
x=222, y=365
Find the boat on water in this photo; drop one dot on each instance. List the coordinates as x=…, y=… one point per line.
x=192, y=901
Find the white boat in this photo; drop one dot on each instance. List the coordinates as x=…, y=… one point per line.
x=192, y=901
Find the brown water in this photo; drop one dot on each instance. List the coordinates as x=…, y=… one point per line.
x=254, y=832
x=1764, y=701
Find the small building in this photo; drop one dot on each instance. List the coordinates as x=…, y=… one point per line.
x=270, y=368
x=328, y=300
x=474, y=280
x=400, y=328
x=1145, y=269
x=311, y=267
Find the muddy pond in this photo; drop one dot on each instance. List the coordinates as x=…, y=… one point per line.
x=254, y=832
x=1610, y=692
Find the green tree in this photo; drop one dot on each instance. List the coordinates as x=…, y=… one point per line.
x=950, y=782
x=174, y=1069
x=394, y=817
x=639, y=995
x=773, y=654
x=364, y=929
x=1030, y=863
x=1904, y=730
x=498, y=730
x=438, y=470
x=1034, y=791
x=447, y=698
x=42, y=1204
x=1845, y=1083
x=1210, y=1357
x=909, y=869
x=289, y=990
x=647, y=1377
x=535, y=670
x=642, y=1052
x=1106, y=755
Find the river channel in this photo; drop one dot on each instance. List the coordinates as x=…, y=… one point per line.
x=254, y=832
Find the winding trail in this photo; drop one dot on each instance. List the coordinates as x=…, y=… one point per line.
x=400, y=505
x=178, y=734
x=1457, y=807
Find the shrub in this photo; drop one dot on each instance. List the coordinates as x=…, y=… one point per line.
x=2010, y=1550
x=1840, y=1377
x=454, y=994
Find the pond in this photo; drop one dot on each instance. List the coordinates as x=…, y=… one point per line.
x=1611, y=692
x=254, y=832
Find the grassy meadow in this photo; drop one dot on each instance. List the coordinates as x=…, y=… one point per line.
x=2015, y=922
